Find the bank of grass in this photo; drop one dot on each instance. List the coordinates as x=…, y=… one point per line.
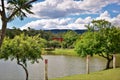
x=60, y=51
x=68, y=52
x=111, y=74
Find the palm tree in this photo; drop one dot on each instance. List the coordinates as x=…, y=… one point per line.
x=13, y=9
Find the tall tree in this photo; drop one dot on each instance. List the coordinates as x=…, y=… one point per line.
x=84, y=46
x=108, y=40
x=22, y=48
x=103, y=40
x=108, y=44
x=13, y=9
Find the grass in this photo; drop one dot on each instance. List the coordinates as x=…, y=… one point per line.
x=68, y=52
x=111, y=74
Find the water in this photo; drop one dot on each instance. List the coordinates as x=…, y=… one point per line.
x=58, y=66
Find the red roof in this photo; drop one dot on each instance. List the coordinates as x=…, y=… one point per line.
x=58, y=39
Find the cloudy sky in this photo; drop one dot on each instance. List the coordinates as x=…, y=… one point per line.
x=69, y=14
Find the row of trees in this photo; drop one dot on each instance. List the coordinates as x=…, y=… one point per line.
x=69, y=37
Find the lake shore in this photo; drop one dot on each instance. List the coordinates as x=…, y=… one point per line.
x=60, y=51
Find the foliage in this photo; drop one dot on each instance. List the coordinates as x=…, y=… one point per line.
x=85, y=44
x=53, y=44
x=20, y=7
x=27, y=48
x=69, y=39
x=108, y=38
x=109, y=41
x=11, y=33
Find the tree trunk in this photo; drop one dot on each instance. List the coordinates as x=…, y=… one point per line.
x=26, y=71
x=114, y=61
x=3, y=31
x=108, y=63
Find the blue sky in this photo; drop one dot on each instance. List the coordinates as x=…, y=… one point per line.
x=69, y=14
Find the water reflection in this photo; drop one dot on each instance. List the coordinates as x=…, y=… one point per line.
x=58, y=66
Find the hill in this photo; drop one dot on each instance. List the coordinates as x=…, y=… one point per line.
x=65, y=30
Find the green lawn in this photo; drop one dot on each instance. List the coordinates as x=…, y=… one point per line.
x=111, y=74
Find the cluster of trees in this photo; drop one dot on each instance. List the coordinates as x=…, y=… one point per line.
x=69, y=37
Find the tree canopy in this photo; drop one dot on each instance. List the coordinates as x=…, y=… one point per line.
x=85, y=45
x=69, y=39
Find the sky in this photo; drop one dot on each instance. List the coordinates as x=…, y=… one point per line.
x=69, y=14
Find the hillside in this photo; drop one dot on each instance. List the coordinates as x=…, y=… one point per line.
x=65, y=30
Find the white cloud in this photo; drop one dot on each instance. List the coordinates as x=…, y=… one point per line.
x=105, y=15
x=48, y=24
x=64, y=23
x=83, y=21
x=115, y=20
x=70, y=23
x=62, y=8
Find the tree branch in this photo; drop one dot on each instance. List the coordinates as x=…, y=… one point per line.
x=3, y=15
x=0, y=12
x=26, y=71
x=24, y=5
x=101, y=54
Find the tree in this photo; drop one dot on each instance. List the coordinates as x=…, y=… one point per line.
x=108, y=40
x=108, y=44
x=14, y=8
x=22, y=48
x=84, y=46
x=69, y=39
x=103, y=40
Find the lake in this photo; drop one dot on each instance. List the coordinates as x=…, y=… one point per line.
x=58, y=66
